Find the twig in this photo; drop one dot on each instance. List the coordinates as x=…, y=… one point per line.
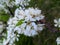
x=11, y=13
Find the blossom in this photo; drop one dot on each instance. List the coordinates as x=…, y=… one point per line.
x=4, y=4
x=57, y=22
x=28, y=27
x=29, y=24
x=29, y=14
x=7, y=2
x=58, y=40
x=22, y=2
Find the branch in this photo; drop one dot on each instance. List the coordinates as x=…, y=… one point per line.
x=11, y=13
x=52, y=29
x=49, y=26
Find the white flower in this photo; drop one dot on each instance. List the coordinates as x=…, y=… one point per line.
x=31, y=11
x=58, y=40
x=28, y=27
x=29, y=14
x=22, y=2
x=57, y=22
x=6, y=3
x=35, y=11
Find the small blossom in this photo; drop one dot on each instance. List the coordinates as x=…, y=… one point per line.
x=57, y=22
x=22, y=2
x=58, y=40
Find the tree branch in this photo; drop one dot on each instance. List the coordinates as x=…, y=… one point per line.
x=49, y=26
x=11, y=13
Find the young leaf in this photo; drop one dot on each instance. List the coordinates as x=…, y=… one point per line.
x=20, y=22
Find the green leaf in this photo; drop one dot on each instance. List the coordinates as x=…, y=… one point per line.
x=20, y=22
x=4, y=17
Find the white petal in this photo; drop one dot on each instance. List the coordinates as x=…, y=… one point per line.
x=23, y=25
x=34, y=25
x=58, y=40
x=40, y=28
x=28, y=27
x=27, y=33
x=37, y=12
x=55, y=21
x=26, y=18
x=17, y=39
x=33, y=32
x=59, y=19
x=41, y=17
x=55, y=25
x=32, y=19
x=37, y=18
x=21, y=17
x=26, y=12
x=59, y=25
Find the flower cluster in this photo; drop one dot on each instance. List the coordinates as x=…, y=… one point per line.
x=22, y=2
x=28, y=17
x=24, y=22
x=6, y=3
